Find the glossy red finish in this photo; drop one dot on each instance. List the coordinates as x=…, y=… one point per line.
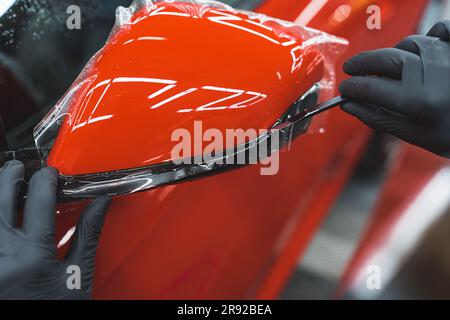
x=170, y=66
x=240, y=234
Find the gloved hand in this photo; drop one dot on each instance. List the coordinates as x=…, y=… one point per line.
x=405, y=91
x=28, y=265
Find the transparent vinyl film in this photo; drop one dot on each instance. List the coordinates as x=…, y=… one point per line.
x=127, y=180
x=292, y=124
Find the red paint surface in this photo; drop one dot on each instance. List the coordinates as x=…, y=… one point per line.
x=239, y=234
x=227, y=70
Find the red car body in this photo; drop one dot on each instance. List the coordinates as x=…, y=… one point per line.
x=236, y=235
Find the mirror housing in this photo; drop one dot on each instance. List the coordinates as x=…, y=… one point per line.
x=172, y=65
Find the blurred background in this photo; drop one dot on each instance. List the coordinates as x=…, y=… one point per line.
x=393, y=216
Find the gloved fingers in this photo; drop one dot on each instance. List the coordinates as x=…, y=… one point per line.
x=87, y=234
x=378, y=91
x=441, y=30
x=40, y=206
x=11, y=178
x=415, y=43
x=380, y=120
x=384, y=63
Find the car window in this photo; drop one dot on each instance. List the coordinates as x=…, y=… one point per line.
x=244, y=4
x=40, y=57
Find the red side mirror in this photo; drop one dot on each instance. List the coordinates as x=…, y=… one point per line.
x=172, y=65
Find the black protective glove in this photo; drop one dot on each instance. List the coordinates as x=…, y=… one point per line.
x=405, y=91
x=29, y=268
